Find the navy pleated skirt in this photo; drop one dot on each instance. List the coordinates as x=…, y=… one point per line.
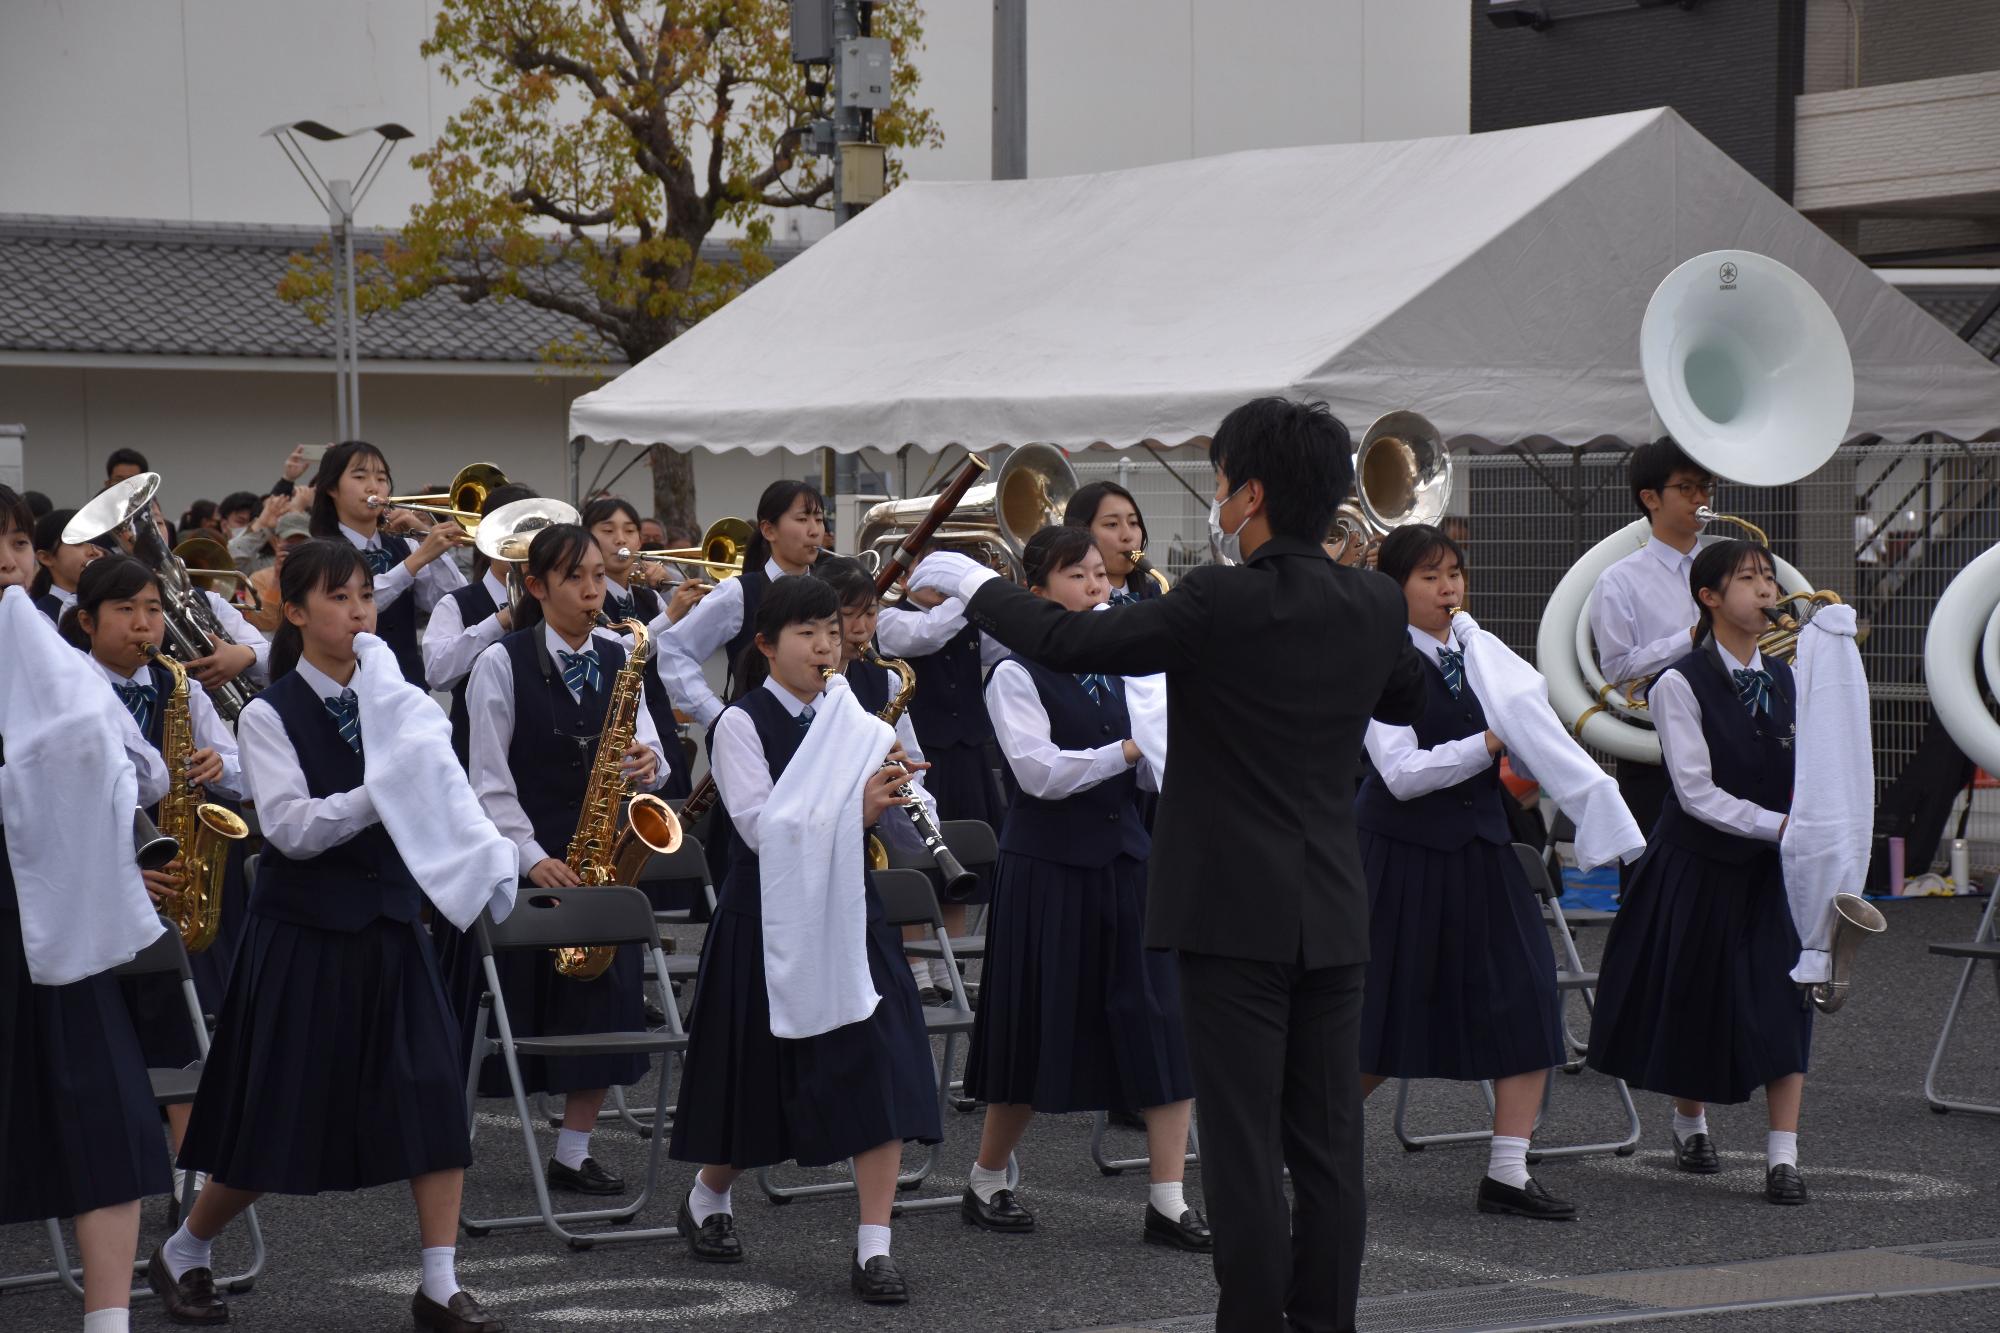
x=749, y=1099
x=1075, y=1013
x=335, y=1064
x=1461, y=974
x=211, y=966
x=79, y=1129
x=1695, y=996
x=159, y=1011
x=961, y=780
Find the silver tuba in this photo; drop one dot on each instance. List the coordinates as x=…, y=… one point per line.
x=124, y=511
x=991, y=524
x=1402, y=474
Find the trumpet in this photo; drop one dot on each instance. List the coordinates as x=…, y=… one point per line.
x=461, y=504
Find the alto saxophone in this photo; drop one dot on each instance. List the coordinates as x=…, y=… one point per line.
x=601, y=852
x=202, y=830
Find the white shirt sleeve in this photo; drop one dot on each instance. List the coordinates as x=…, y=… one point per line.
x=1622, y=653
x=146, y=761
x=434, y=580
x=1021, y=726
x=392, y=583
x=992, y=652
x=211, y=734
x=242, y=631
x=489, y=705
x=686, y=647
x=906, y=632
x=1684, y=750
x=450, y=647
x=1409, y=771
x=742, y=774
x=293, y=820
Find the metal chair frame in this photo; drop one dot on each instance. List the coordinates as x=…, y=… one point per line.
x=1984, y=946
x=977, y=847
x=1112, y=1166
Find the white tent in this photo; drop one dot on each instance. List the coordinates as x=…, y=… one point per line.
x=1494, y=282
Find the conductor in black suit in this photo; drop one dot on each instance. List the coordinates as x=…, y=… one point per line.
x=1274, y=666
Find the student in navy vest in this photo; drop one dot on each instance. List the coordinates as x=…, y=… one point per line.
x=874, y=686
x=79, y=1130
x=1109, y=513
x=410, y=578
x=467, y=621
x=538, y=699
x=1075, y=1012
x=747, y=1097
x=630, y=594
x=116, y=615
x=1695, y=997
x=336, y=1063
x=1461, y=981
x=59, y=565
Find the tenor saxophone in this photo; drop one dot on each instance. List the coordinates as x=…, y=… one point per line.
x=202, y=830
x=602, y=851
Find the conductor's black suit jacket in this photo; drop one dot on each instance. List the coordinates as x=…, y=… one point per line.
x=1274, y=668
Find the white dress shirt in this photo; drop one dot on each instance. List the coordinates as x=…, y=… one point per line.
x=1021, y=726
x=431, y=582
x=685, y=647
x=65, y=599
x=743, y=774
x=293, y=820
x=233, y=624
x=1684, y=750
x=489, y=702
x=1643, y=611
x=1407, y=769
x=908, y=632
x=203, y=721
x=451, y=646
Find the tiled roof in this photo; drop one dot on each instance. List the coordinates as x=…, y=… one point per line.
x=150, y=288
x=1953, y=306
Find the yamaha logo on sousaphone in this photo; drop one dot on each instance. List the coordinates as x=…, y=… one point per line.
x=1728, y=274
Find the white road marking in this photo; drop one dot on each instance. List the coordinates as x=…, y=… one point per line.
x=1869, y=1185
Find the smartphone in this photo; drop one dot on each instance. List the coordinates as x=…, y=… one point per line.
x=312, y=453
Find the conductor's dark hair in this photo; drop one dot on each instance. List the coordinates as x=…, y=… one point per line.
x=326, y=519
x=607, y=506
x=795, y=599
x=777, y=501
x=15, y=516
x=321, y=565
x=854, y=585
x=499, y=495
x=1053, y=550
x=1081, y=511
x=1654, y=465
x=125, y=458
x=556, y=552
x=1714, y=566
x=38, y=504
x=1415, y=546
x=111, y=578
x=1302, y=454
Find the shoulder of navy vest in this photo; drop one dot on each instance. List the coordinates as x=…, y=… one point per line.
x=394, y=544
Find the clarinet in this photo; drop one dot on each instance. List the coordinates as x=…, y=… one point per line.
x=957, y=879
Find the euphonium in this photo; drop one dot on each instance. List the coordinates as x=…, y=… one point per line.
x=600, y=852
x=202, y=830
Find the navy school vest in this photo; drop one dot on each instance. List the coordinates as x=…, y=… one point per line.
x=950, y=704
x=555, y=736
x=397, y=625
x=1447, y=819
x=475, y=606
x=1749, y=757
x=754, y=582
x=779, y=734
x=645, y=608
x=50, y=605
x=1090, y=828
x=1141, y=587
x=346, y=887
x=870, y=684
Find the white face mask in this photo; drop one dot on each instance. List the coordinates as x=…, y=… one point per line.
x=1228, y=545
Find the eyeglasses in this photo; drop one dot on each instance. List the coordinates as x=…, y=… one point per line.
x=1690, y=489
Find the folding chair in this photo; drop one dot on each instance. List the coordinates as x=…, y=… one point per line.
x=687, y=862
x=1984, y=946
x=171, y=1087
x=973, y=842
x=1562, y=833
x=1112, y=1166
x=607, y=915
x=908, y=900
x=1570, y=977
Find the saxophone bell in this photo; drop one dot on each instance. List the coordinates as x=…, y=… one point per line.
x=1856, y=919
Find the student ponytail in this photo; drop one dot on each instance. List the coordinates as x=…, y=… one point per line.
x=320, y=565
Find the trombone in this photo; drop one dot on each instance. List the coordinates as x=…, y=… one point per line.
x=719, y=556
x=207, y=558
x=461, y=504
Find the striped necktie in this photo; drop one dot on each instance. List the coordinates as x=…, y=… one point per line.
x=1094, y=684
x=1753, y=688
x=580, y=670
x=378, y=560
x=346, y=713
x=805, y=719
x=1121, y=597
x=1451, y=661
x=138, y=700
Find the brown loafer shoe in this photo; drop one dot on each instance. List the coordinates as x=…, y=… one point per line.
x=461, y=1314
x=191, y=1299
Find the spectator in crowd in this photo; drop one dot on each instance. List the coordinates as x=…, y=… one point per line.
x=653, y=535
x=290, y=530
x=252, y=548
x=233, y=515
x=201, y=516
x=122, y=465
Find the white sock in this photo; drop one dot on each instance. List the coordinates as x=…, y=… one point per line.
x=1507, y=1161
x=185, y=1250
x=870, y=1243
x=1685, y=1127
x=1168, y=1198
x=920, y=972
x=1780, y=1147
x=115, y=1320
x=440, y=1273
x=704, y=1203
x=940, y=974
x=572, y=1147
x=986, y=1183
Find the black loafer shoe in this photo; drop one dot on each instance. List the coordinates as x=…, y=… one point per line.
x=191, y=1299
x=712, y=1242
x=1696, y=1155
x=1190, y=1232
x=461, y=1314
x=878, y=1283
x=1533, y=1201
x=656, y=1017
x=590, y=1178
x=1001, y=1214
x=1783, y=1184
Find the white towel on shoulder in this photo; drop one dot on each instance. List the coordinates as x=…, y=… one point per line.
x=462, y=863
x=1516, y=700
x=814, y=899
x=83, y=906
x=1825, y=844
